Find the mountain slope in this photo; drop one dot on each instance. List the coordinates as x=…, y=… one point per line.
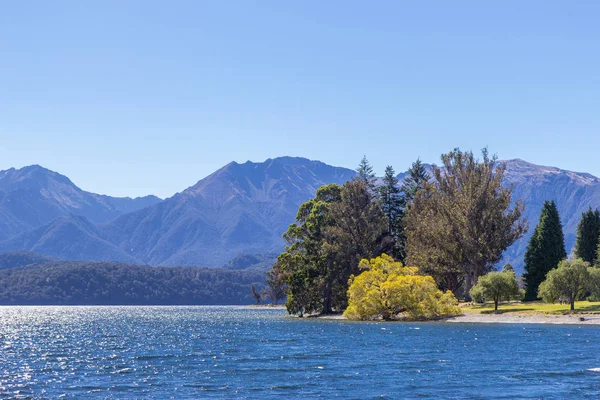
x=573, y=193
x=33, y=196
x=241, y=211
x=241, y=208
x=68, y=238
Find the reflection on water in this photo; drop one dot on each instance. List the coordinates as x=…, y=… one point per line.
x=229, y=352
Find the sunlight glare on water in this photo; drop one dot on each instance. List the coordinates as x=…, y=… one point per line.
x=236, y=352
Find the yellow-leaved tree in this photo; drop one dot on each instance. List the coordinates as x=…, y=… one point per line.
x=388, y=290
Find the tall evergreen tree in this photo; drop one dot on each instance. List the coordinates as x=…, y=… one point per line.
x=366, y=174
x=545, y=250
x=588, y=236
x=416, y=180
x=392, y=203
x=597, y=261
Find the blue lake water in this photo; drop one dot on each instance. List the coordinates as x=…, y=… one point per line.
x=228, y=352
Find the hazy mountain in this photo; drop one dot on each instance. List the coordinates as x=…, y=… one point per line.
x=33, y=196
x=262, y=262
x=22, y=259
x=235, y=216
x=68, y=238
x=239, y=209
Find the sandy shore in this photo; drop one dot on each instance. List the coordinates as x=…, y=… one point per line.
x=527, y=318
x=508, y=318
x=470, y=318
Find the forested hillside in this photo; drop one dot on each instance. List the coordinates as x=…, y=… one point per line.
x=54, y=282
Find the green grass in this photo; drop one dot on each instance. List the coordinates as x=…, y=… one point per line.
x=581, y=307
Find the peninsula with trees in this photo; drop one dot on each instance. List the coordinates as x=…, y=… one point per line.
x=378, y=249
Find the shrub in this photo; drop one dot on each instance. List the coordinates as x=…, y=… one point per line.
x=388, y=290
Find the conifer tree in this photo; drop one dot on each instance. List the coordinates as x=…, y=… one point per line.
x=415, y=181
x=366, y=174
x=545, y=250
x=392, y=203
x=588, y=235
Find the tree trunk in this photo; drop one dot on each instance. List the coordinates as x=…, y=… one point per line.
x=468, y=284
x=327, y=300
x=572, y=299
x=496, y=304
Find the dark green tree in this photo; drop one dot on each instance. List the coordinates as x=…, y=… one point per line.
x=255, y=294
x=359, y=231
x=545, y=250
x=392, y=203
x=416, y=180
x=508, y=267
x=588, y=236
x=366, y=174
x=304, y=265
x=275, y=289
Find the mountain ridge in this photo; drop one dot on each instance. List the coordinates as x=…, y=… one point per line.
x=33, y=196
x=243, y=208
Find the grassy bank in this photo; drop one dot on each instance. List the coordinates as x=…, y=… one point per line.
x=534, y=307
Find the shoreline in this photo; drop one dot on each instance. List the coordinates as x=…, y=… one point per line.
x=512, y=318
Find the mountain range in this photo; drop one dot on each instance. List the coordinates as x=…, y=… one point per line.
x=230, y=218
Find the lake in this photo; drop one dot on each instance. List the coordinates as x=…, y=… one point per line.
x=229, y=352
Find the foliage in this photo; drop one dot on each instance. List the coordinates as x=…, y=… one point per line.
x=255, y=294
x=388, y=290
x=358, y=231
x=416, y=180
x=545, y=250
x=111, y=283
x=262, y=262
x=496, y=286
x=393, y=204
x=332, y=233
x=569, y=281
x=508, y=267
x=304, y=265
x=459, y=225
x=366, y=174
x=275, y=289
x=22, y=258
x=588, y=236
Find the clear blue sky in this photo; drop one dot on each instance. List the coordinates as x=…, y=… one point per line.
x=139, y=97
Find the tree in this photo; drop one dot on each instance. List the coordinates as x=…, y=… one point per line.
x=366, y=174
x=464, y=219
x=545, y=250
x=416, y=180
x=303, y=265
x=392, y=203
x=588, y=236
x=496, y=286
x=508, y=267
x=359, y=230
x=597, y=262
x=255, y=294
x=275, y=289
x=388, y=290
x=570, y=280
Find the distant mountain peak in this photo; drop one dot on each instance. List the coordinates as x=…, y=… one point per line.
x=521, y=170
